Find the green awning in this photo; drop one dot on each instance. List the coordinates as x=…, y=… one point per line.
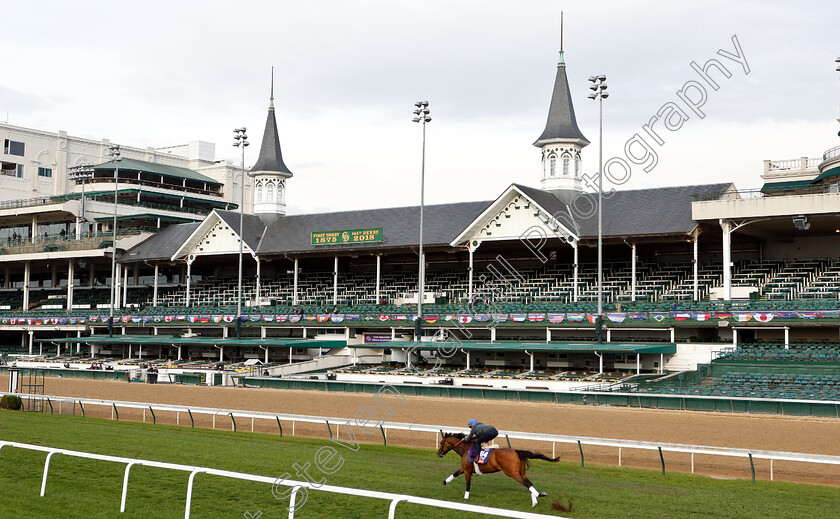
x=530, y=347
x=157, y=169
x=829, y=173
x=769, y=187
x=161, y=340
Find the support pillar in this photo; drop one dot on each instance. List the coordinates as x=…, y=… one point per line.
x=632, y=274
x=378, y=276
x=787, y=338
x=221, y=353
x=493, y=334
x=34, y=227
x=179, y=353
x=468, y=359
x=70, y=268
x=54, y=275
x=661, y=363
x=575, y=274
x=27, y=272
x=735, y=337
x=639, y=363
x=726, y=228
x=696, y=270
x=470, y=276
x=532, y=361
x=155, y=289
x=188, y=278
x=31, y=340
x=295, y=292
x=258, y=280
x=116, y=282
x=335, y=281
x=124, y=299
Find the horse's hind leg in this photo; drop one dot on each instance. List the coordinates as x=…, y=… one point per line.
x=453, y=476
x=520, y=476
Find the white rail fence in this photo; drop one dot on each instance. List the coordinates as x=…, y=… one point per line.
x=395, y=499
x=553, y=439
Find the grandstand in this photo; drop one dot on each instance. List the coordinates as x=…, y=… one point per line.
x=692, y=275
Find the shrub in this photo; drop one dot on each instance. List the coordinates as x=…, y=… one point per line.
x=11, y=402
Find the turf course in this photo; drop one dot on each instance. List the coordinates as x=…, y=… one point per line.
x=80, y=488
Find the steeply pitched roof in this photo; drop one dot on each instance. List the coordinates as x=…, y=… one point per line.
x=561, y=123
x=252, y=227
x=158, y=169
x=636, y=212
x=162, y=245
x=271, y=158
x=441, y=224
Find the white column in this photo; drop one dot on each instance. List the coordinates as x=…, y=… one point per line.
x=34, y=227
x=31, y=340
x=735, y=337
x=295, y=293
x=70, y=267
x=221, y=353
x=117, y=281
x=266, y=355
x=470, y=276
x=378, y=275
x=189, y=274
x=78, y=227
x=493, y=334
x=468, y=359
x=575, y=275
x=726, y=227
x=787, y=338
x=633, y=273
x=335, y=281
x=179, y=353
x=258, y=279
x=696, y=270
x=155, y=289
x=125, y=286
x=532, y=361
x=661, y=363
x=639, y=364
x=27, y=267
x=609, y=334
x=672, y=334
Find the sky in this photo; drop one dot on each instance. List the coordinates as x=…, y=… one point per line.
x=347, y=74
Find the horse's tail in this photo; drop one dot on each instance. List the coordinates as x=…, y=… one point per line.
x=526, y=456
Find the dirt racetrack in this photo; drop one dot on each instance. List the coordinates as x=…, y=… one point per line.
x=759, y=432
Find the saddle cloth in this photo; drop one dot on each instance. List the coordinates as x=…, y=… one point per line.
x=485, y=452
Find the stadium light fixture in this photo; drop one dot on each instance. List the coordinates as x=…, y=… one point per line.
x=599, y=92
x=81, y=172
x=114, y=153
x=421, y=116
x=240, y=140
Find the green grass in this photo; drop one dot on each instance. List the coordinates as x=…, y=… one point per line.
x=79, y=488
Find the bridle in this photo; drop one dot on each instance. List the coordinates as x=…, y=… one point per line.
x=449, y=447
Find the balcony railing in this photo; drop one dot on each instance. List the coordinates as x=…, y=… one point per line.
x=30, y=202
x=758, y=193
x=832, y=153
x=151, y=183
x=87, y=241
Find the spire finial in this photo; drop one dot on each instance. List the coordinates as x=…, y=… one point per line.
x=271, y=103
x=562, y=61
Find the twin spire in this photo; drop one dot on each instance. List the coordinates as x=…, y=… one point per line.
x=271, y=157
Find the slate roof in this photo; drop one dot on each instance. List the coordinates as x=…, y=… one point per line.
x=271, y=158
x=400, y=227
x=158, y=169
x=636, y=212
x=252, y=227
x=162, y=245
x=561, y=123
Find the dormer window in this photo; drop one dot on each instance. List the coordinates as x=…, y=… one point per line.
x=259, y=192
x=269, y=192
x=552, y=165
x=566, y=159
x=577, y=166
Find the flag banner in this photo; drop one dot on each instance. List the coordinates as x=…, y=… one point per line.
x=681, y=316
x=465, y=318
x=82, y=320
x=412, y=317
x=255, y=318
x=71, y=320
x=399, y=317
x=243, y=318
x=204, y=319
x=180, y=318
x=217, y=318
x=723, y=315
x=449, y=317
x=536, y=318
x=369, y=318
x=281, y=318
x=482, y=318
x=701, y=316
x=617, y=317
x=157, y=319
x=92, y=318
x=500, y=318
x=294, y=318
x=742, y=317
x=192, y=318
x=785, y=315
x=147, y=319
x=268, y=318
x=806, y=315
x=384, y=317
x=575, y=317
x=556, y=318
x=352, y=317
x=310, y=317
x=518, y=318
x=431, y=318
x=829, y=314
x=337, y=318
x=63, y=320
x=136, y=319
x=592, y=318
x=659, y=316
x=763, y=316
x=637, y=316
x=228, y=318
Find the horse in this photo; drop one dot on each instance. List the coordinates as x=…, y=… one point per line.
x=512, y=462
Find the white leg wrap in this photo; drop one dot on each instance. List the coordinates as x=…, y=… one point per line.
x=533, y=491
x=449, y=479
x=467, y=494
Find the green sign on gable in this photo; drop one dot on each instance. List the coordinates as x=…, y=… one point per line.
x=346, y=237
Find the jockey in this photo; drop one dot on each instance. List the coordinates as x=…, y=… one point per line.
x=481, y=434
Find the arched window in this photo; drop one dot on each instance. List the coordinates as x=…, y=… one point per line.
x=259, y=192
x=552, y=164
x=280, y=193
x=565, y=165
x=269, y=192
x=577, y=166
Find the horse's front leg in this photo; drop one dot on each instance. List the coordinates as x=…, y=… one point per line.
x=468, y=477
x=453, y=476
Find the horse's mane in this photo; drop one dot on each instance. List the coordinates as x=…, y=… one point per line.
x=460, y=436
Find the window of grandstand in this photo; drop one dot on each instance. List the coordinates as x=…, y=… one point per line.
x=13, y=148
x=45, y=172
x=269, y=192
x=565, y=165
x=577, y=166
x=552, y=161
x=259, y=192
x=11, y=169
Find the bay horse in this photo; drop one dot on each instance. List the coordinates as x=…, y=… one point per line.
x=512, y=462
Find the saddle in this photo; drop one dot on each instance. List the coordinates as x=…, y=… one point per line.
x=484, y=453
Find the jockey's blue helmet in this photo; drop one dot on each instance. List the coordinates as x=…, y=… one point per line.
x=472, y=422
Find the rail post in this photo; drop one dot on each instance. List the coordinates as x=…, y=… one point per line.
x=46, y=471
x=50, y=404
x=752, y=467
x=384, y=438
x=154, y=418
x=116, y=413
x=580, y=448
x=662, y=460
x=393, y=508
x=232, y=422
x=508, y=441
x=279, y=426
x=82, y=408
x=329, y=429
x=192, y=422
x=125, y=487
x=292, y=500
x=189, y=493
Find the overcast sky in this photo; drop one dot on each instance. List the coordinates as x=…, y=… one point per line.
x=347, y=73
